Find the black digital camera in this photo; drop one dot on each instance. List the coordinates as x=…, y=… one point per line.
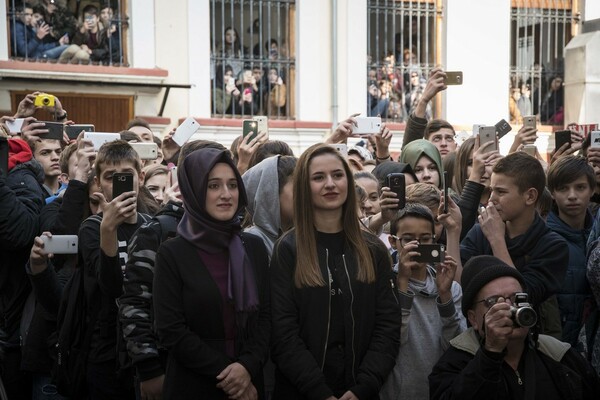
x=522, y=314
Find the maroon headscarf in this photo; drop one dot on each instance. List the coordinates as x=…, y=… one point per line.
x=211, y=235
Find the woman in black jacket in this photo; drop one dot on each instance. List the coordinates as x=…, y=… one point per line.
x=336, y=320
x=211, y=288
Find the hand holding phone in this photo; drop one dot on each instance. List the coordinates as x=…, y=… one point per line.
x=488, y=134
x=430, y=253
x=184, y=132
x=60, y=244
x=366, y=126
x=396, y=183
x=454, y=78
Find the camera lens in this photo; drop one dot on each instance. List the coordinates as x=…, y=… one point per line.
x=46, y=101
x=525, y=317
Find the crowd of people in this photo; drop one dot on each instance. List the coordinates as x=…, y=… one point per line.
x=250, y=273
x=48, y=30
x=245, y=85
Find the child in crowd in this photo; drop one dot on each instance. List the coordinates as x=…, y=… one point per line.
x=511, y=229
x=571, y=181
x=430, y=300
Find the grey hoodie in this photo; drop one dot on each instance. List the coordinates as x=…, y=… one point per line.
x=262, y=190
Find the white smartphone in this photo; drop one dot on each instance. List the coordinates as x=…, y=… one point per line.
x=529, y=149
x=341, y=148
x=99, y=138
x=184, y=132
x=173, y=175
x=488, y=134
x=366, y=126
x=16, y=125
x=595, y=139
x=146, y=151
x=476, y=129
x=263, y=123
x=60, y=244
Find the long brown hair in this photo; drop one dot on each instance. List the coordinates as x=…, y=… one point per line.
x=308, y=272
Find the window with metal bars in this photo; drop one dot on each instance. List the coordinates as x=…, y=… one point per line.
x=401, y=47
x=540, y=30
x=68, y=31
x=252, y=58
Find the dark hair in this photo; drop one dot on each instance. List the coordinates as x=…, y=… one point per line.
x=413, y=210
x=461, y=165
x=435, y=125
x=270, y=42
x=568, y=169
x=385, y=168
x=526, y=172
x=138, y=122
x=39, y=9
x=190, y=147
x=448, y=163
x=285, y=170
x=268, y=149
x=220, y=72
x=65, y=156
x=236, y=44
x=367, y=175
x=115, y=152
x=545, y=203
x=157, y=141
x=129, y=136
x=90, y=9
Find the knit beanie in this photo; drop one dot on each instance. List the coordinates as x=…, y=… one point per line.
x=478, y=272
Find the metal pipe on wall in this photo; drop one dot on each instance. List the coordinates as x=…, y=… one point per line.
x=334, y=66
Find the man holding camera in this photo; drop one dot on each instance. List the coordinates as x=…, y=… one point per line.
x=499, y=356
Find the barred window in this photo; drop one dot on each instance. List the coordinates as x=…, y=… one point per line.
x=540, y=30
x=401, y=46
x=68, y=31
x=252, y=58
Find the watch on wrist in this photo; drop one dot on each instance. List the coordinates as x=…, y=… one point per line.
x=62, y=117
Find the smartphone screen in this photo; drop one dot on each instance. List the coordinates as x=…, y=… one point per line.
x=250, y=127
x=73, y=131
x=446, y=183
x=3, y=156
x=562, y=137
x=396, y=183
x=122, y=182
x=55, y=130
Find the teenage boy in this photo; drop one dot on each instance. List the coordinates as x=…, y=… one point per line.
x=511, y=229
x=571, y=181
x=429, y=297
x=47, y=153
x=103, y=241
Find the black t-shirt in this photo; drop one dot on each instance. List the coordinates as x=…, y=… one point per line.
x=334, y=358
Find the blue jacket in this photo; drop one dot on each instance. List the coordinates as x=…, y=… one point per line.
x=575, y=290
x=25, y=43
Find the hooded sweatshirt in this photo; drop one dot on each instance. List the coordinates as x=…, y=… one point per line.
x=262, y=189
x=412, y=152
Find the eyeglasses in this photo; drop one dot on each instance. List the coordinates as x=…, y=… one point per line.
x=490, y=301
x=404, y=240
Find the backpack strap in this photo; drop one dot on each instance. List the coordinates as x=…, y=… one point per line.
x=168, y=226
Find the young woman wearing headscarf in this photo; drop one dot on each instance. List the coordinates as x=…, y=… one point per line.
x=211, y=288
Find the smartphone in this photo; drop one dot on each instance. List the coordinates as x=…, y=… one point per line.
x=454, y=78
x=595, y=139
x=263, y=123
x=446, y=178
x=121, y=182
x=184, y=132
x=99, y=138
x=488, y=134
x=475, y=130
x=55, y=130
x=146, y=151
x=396, y=183
x=73, y=131
x=562, y=137
x=367, y=126
x=250, y=127
x=430, y=253
x=502, y=127
x=341, y=148
x=15, y=126
x=60, y=244
x=3, y=156
x=173, y=175
x=529, y=149
x=530, y=121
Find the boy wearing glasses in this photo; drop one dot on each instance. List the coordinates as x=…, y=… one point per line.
x=499, y=357
x=429, y=298
x=511, y=229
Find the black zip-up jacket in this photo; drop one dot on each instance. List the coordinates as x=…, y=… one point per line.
x=301, y=319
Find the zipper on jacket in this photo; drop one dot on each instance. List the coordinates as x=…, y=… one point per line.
x=329, y=278
x=351, y=316
x=394, y=290
x=519, y=381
